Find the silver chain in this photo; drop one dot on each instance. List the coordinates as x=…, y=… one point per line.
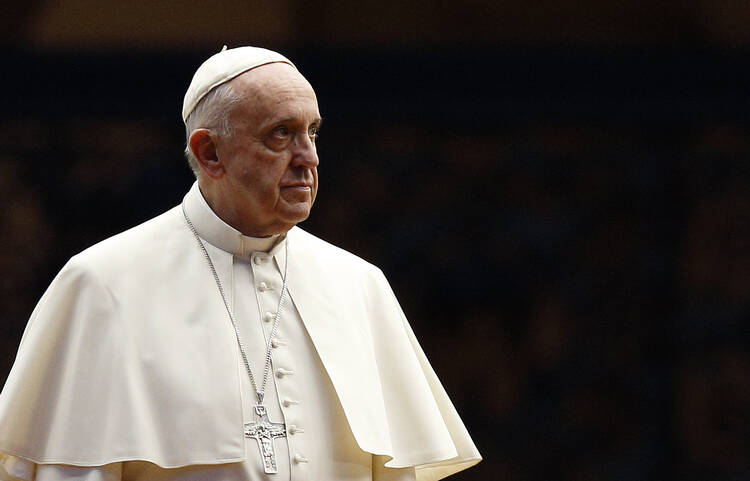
x=267, y=367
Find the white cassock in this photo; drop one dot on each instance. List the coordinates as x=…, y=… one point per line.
x=129, y=366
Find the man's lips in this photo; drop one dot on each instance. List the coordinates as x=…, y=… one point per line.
x=298, y=191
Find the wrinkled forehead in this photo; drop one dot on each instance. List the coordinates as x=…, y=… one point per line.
x=223, y=67
x=272, y=91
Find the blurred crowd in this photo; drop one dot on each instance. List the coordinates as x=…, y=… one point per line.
x=581, y=287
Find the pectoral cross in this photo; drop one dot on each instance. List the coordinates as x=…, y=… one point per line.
x=264, y=431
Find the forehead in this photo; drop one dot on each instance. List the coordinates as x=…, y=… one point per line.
x=275, y=88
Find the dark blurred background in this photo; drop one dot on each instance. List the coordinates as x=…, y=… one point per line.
x=557, y=190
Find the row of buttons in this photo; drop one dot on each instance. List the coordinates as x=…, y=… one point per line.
x=292, y=429
x=269, y=316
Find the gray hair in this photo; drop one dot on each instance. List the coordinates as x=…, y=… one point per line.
x=212, y=112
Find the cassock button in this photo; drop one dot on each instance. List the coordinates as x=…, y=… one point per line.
x=294, y=429
x=258, y=260
x=288, y=402
x=268, y=316
x=283, y=372
x=298, y=458
x=262, y=287
x=275, y=343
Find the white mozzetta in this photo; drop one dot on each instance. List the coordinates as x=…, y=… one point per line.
x=130, y=355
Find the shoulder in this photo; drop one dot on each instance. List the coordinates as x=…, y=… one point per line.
x=137, y=246
x=335, y=268
x=313, y=248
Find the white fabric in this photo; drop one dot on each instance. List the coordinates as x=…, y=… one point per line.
x=142, y=471
x=320, y=435
x=114, y=364
x=225, y=66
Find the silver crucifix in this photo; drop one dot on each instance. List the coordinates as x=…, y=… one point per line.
x=264, y=431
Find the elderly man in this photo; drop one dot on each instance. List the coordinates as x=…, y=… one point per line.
x=218, y=341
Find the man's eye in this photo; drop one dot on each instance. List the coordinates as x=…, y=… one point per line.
x=281, y=131
x=313, y=132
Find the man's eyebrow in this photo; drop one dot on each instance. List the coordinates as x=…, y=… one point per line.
x=318, y=120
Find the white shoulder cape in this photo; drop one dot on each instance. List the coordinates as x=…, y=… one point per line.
x=130, y=355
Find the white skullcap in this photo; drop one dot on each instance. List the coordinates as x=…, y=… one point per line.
x=225, y=66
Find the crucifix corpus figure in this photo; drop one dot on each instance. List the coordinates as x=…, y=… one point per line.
x=265, y=431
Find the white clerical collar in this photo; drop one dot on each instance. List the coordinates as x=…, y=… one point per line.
x=220, y=234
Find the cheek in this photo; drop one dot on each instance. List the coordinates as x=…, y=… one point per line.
x=266, y=172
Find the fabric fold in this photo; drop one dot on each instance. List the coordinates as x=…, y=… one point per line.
x=394, y=402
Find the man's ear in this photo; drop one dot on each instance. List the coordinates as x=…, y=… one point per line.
x=203, y=146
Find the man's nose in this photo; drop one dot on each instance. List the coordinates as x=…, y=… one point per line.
x=304, y=152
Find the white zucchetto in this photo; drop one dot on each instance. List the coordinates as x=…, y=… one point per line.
x=225, y=66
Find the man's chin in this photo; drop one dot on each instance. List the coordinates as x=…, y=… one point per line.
x=296, y=213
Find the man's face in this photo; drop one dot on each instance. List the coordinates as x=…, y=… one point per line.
x=270, y=179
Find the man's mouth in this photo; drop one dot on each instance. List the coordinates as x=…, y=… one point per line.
x=300, y=185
